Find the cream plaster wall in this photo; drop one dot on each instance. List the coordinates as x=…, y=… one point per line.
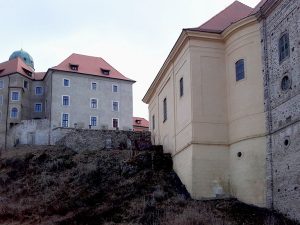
x=217, y=117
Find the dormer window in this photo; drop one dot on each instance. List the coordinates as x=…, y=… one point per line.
x=74, y=67
x=138, y=121
x=28, y=73
x=105, y=71
x=1, y=71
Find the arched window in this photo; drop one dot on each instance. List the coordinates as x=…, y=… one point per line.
x=14, y=113
x=240, y=70
x=284, y=47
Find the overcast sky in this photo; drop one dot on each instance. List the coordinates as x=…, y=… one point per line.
x=134, y=36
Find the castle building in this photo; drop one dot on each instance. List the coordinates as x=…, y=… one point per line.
x=225, y=104
x=206, y=107
x=81, y=92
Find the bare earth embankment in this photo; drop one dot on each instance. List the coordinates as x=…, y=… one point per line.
x=52, y=185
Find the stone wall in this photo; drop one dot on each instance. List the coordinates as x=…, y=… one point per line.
x=283, y=108
x=31, y=132
x=83, y=139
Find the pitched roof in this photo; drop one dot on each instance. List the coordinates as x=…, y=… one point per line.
x=143, y=122
x=233, y=13
x=258, y=6
x=89, y=65
x=17, y=65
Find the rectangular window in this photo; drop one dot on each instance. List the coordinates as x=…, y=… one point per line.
x=240, y=70
x=38, y=90
x=66, y=83
x=153, y=122
x=65, y=120
x=94, y=86
x=66, y=100
x=115, y=106
x=1, y=84
x=38, y=107
x=94, y=103
x=15, y=96
x=115, y=88
x=181, y=86
x=105, y=71
x=284, y=47
x=1, y=99
x=165, y=109
x=115, y=123
x=14, y=113
x=25, y=84
x=93, y=121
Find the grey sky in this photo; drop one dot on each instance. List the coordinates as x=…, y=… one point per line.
x=134, y=36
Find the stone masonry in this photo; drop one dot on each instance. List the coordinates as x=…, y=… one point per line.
x=282, y=105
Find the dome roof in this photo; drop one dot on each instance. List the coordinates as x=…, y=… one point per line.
x=24, y=56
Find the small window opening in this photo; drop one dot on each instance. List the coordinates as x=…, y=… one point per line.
x=74, y=66
x=286, y=83
x=105, y=71
x=239, y=154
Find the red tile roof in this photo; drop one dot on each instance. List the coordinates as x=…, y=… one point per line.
x=143, y=122
x=39, y=76
x=89, y=65
x=233, y=13
x=18, y=66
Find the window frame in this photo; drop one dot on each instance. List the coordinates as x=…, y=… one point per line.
x=38, y=103
x=17, y=113
x=1, y=84
x=117, y=123
x=238, y=73
x=25, y=82
x=41, y=88
x=91, y=99
x=15, y=100
x=1, y=99
x=113, y=88
x=69, y=100
x=117, y=105
x=96, y=124
x=283, y=55
x=165, y=110
x=181, y=90
x=62, y=120
x=153, y=122
x=69, y=82
x=92, y=87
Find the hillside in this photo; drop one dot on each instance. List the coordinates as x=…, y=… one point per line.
x=52, y=185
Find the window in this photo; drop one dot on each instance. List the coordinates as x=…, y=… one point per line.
x=115, y=123
x=1, y=99
x=284, y=47
x=94, y=86
x=74, y=67
x=181, y=86
x=38, y=107
x=14, y=113
x=15, y=96
x=25, y=84
x=153, y=122
x=165, y=109
x=115, y=88
x=38, y=90
x=105, y=71
x=65, y=120
x=93, y=122
x=286, y=83
x=240, y=70
x=94, y=104
x=66, y=100
x=115, y=106
x=66, y=83
x=1, y=84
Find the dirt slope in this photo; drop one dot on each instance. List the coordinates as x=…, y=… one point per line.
x=52, y=185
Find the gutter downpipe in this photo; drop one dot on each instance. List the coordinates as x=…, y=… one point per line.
x=269, y=108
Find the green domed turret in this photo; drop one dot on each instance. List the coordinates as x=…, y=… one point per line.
x=24, y=56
